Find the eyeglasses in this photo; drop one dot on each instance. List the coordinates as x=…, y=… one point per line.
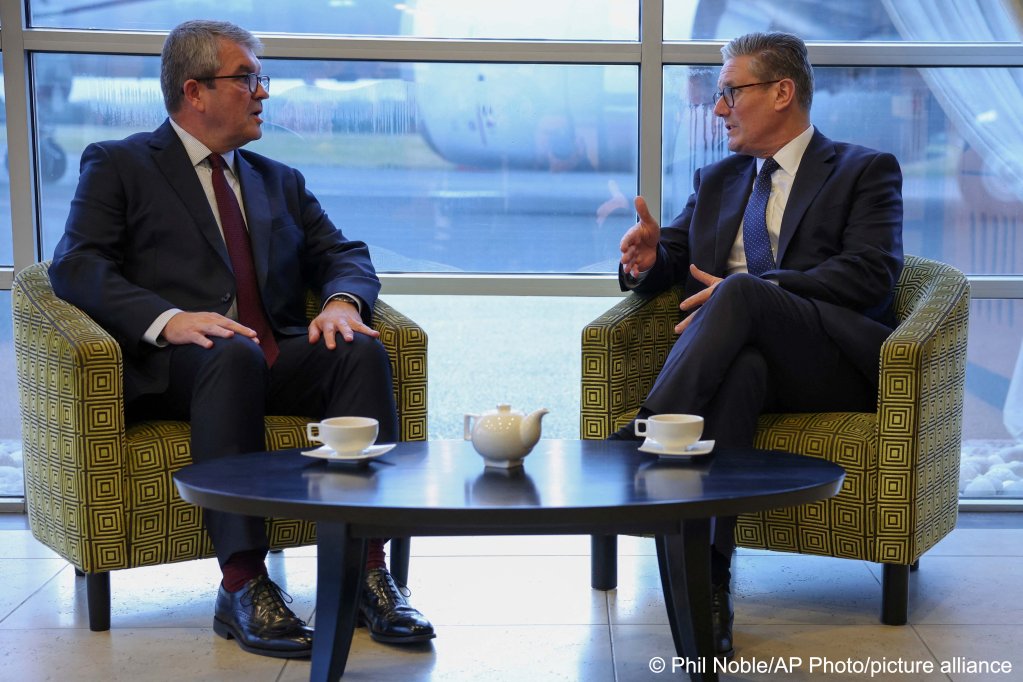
x=728, y=92
x=253, y=80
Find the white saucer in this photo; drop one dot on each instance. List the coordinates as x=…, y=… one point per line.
x=700, y=447
x=331, y=455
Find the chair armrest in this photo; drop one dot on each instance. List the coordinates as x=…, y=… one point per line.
x=72, y=411
x=622, y=352
x=406, y=345
x=920, y=406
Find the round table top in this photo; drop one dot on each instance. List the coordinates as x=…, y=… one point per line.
x=441, y=484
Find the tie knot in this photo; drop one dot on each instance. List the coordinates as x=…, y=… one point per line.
x=770, y=166
x=217, y=161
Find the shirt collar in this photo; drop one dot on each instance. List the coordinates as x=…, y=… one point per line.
x=789, y=156
x=196, y=150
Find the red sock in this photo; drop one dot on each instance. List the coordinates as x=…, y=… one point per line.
x=242, y=567
x=375, y=555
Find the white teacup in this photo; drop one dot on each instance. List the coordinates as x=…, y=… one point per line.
x=672, y=431
x=344, y=435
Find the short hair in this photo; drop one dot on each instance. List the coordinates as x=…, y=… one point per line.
x=776, y=55
x=192, y=50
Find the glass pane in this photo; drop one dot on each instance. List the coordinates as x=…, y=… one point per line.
x=439, y=167
x=12, y=481
x=485, y=350
x=462, y=19
x=962, y=160
x=6, y=245
x=850, y=20
x=993, y=427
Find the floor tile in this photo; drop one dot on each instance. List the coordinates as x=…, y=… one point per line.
x=494, y=653
x=19, y=544
x=979, y=542
x=955, y=590
x=782, y=653
x=976, y=653
x=513, y=590
x=139, y=654
x=768, y=588
x=170, y=596
x=23, y=578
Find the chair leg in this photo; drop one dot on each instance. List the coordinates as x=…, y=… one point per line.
x=97, y=594
x=894, y=594
x=401, y=548
x=604, y=562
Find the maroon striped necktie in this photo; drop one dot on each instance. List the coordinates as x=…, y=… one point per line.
x=250, y=304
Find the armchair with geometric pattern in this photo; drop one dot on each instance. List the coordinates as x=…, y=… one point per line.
x=99, y=491
x=900, y=494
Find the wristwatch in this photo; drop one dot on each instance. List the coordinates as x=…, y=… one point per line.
x=345, y=298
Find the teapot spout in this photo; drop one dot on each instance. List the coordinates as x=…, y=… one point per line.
x=529, y=429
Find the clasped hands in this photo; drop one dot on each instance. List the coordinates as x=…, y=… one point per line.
x=639, y=253
x=337, y=317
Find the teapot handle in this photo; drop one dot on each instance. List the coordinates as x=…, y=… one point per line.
x=467, y=425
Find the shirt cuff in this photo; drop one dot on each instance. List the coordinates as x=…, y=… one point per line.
x=152, y=335
x=348, y=298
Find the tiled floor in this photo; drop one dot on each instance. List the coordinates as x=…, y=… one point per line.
x=521, y=609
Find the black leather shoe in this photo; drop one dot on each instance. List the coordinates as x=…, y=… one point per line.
x=258, y=617
x=389, y=616
x=722, y=616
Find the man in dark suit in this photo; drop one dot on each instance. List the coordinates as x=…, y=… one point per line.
x=197, y=256
x=789, y=252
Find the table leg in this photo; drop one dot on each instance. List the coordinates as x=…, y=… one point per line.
x=340, y=562
x=684, y=562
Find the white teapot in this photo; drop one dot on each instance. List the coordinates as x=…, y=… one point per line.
x=504, y=436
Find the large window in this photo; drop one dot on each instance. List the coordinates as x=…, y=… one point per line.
x=489, y=154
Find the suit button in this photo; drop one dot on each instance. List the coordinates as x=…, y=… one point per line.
x=225, y=298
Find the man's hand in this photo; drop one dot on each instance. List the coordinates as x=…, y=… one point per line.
x=198, y=327
x=697, y=299
x=338, y=317
x=639, y=245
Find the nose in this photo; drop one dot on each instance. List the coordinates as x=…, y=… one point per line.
x=261, y=92
x=720, y=108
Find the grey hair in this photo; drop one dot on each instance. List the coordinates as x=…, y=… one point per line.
x=192, y=50
x=776, y=55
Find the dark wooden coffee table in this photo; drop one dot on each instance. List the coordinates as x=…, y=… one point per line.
x=566, y=487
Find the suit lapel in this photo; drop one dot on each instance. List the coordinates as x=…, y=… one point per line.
x=172, y=160
x=814, y=169
x=257, y=214
x=739, y=184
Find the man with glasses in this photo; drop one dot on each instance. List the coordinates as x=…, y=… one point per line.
x=196, y=256
x=789, y=251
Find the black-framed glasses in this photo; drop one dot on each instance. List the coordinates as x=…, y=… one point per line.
x=253, y=80
x=728, y=92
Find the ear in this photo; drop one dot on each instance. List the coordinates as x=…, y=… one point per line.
x=786, y=94
x=193, y=94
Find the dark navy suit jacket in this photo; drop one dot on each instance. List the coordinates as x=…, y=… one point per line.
x=141, y=238
x=840, y=243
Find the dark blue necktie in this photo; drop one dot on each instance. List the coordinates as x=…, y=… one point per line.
x=755, y=239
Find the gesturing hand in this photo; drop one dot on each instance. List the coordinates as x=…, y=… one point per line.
x=697, y=299
x=639, y=245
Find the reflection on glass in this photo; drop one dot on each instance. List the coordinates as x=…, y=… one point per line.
x=6, y=246
x=439, y=167
x=12, y=482
x=525, y=19
x=963, y=195
x=486, y=350
x=993, y=426
x=851, y=20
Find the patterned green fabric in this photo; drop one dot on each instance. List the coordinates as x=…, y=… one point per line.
x=900, y=495
x=100, y=493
